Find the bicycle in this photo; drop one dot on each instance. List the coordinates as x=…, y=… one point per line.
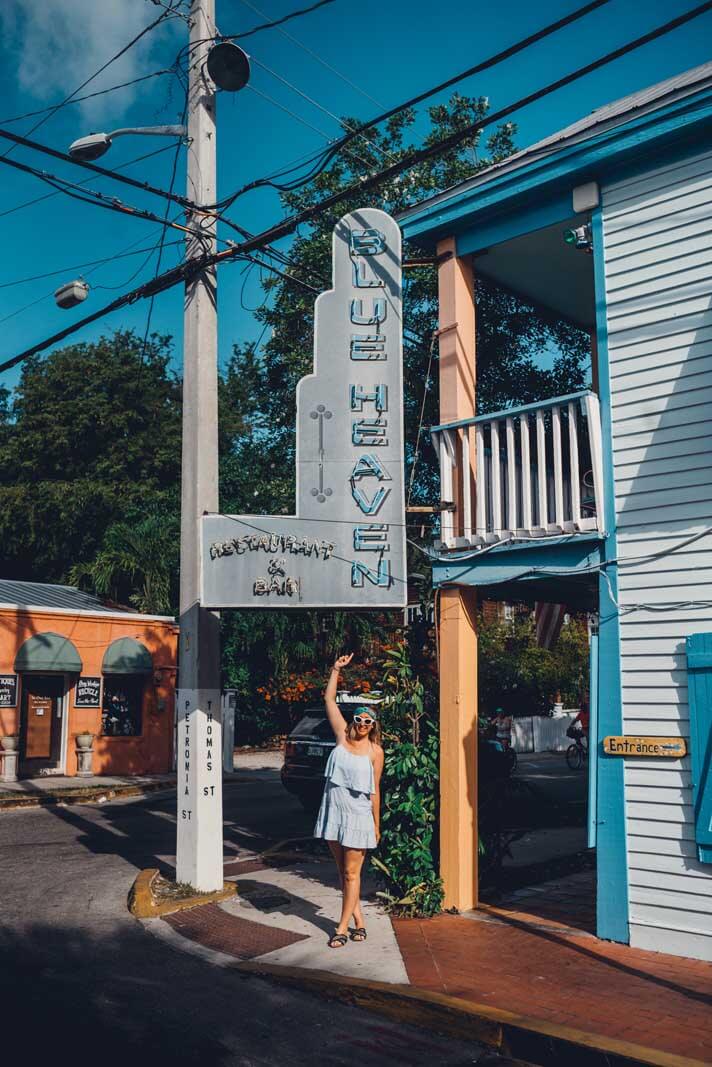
x=576, y=754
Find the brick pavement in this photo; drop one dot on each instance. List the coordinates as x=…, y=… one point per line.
x=566, y=902
x=545, y=970
x=209, y=925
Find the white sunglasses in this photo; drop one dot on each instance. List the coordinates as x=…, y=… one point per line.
x=363, y=720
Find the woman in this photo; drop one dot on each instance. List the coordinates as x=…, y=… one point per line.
x=349, y=816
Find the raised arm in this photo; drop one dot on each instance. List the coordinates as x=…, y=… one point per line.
x=336, y=719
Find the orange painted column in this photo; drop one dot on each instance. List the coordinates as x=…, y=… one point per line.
x=457, y=607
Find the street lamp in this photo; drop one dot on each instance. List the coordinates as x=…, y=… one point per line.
x=95, y=145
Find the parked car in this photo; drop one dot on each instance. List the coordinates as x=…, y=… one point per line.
x=307, y=750
x=310, y=742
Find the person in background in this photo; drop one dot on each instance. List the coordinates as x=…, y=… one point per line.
x=581, y=722
x=503, y=727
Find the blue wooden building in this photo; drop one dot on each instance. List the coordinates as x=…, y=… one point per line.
x=602, y=499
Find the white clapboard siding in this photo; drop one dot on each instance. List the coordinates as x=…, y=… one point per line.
x=654, y=829
x=678, y=857
x=658, y=266
x=657, y=776
x=664, y=855
x=679, y=883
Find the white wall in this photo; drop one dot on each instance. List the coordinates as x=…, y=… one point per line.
x=537, y=733
x=658, y=257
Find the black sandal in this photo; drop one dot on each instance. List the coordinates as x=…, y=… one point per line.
x=338, y=941
x=359, y=934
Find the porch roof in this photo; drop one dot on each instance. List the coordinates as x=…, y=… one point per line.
x=610, y=136
x=560, y=570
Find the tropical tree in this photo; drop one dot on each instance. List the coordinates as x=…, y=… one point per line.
x=91, y=438
x=136, y=563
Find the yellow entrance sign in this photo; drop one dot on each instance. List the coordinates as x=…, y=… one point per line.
x=672, y=747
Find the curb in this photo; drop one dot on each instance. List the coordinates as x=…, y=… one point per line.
x=533, y=1040
x=82, y=796
x=509, y=1034
x=143, y=906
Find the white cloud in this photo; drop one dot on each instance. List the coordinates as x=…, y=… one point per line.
x=60, y=43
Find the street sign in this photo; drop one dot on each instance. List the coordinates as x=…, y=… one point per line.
x=345, y=547
x=670, y=747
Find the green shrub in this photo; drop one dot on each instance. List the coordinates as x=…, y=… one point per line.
x=407, y=854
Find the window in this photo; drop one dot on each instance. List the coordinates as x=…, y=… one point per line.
x=121, y=714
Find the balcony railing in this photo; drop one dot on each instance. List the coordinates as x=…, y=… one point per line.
x=533, y=471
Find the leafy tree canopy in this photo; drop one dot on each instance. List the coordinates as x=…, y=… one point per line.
x=91, y=437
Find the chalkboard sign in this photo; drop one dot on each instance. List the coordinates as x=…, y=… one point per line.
x=88, y=693
x=8, y=690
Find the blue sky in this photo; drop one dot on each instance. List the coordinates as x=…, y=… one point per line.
x=389, y=52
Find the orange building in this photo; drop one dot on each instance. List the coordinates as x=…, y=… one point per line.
x=71, y=666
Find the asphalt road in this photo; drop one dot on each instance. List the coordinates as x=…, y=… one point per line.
x=81, y=979
x=549, y=772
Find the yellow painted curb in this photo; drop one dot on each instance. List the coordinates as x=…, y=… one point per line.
x=503, y=1030
x=143, y=905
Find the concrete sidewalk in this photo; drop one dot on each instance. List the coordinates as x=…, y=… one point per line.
x=517, y=967
x=70, y=789
x=65, y=789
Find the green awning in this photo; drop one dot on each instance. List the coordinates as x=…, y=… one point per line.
x=127, y=656
x=48, y=652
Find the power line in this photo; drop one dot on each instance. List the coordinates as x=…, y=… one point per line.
x=162, y=244
x=273, y=24
x=91, y=196
x=303, y=121
x=420, y=155
x=89, y=96
x=187, y=270
x=7, y=135
x=320, y=107
x=49, y=196
x=279, y=22
x=287, y=111
x=485, y=64
x=80, y=266
x=316, y=56
x=117, y=55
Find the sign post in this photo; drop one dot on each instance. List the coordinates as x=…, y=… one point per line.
x=345, y=546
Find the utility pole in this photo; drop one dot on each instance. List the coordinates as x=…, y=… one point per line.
x=199, y=846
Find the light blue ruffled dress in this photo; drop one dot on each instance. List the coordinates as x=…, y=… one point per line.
x=346, y=814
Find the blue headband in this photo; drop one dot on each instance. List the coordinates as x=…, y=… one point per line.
x=363, y=710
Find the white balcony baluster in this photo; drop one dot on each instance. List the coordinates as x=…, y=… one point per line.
x=466, y=538
x=574, y=476
x=531, y=490
x=447, y=470
x=496, y=485
x=541, y=471
x=593, y=419
x=480, y=485
x=526, y=473
x=511, y=478
x=558, y=469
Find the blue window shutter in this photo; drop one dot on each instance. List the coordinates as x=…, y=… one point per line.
x=699, y=670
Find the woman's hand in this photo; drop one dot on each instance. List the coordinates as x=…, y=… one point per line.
x=343, y=661
x=378, y=835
